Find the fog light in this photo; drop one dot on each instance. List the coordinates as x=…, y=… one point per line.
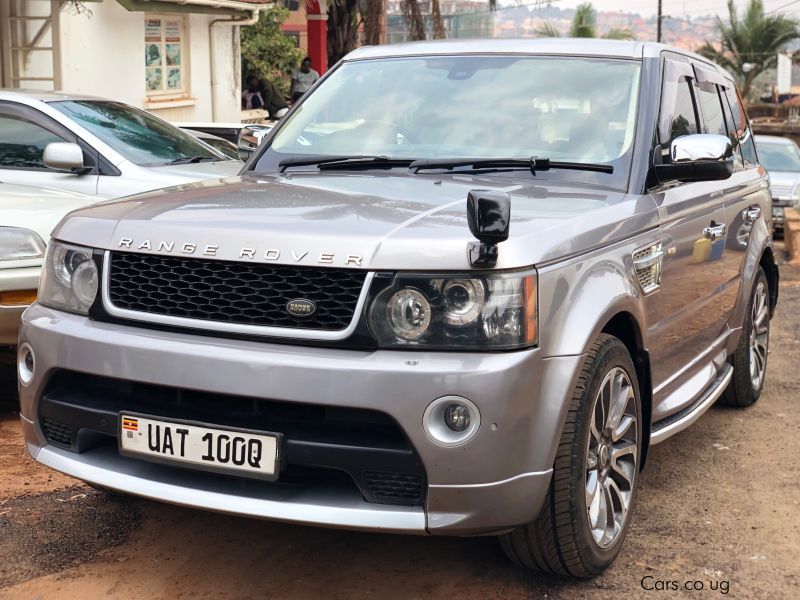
x=26, y=363
x=456, y=417
x=451, y=421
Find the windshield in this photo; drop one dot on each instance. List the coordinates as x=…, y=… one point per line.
x=138, y=136
x=779, y=157
x=566, y=109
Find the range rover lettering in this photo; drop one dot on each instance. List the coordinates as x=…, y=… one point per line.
x=462, y=288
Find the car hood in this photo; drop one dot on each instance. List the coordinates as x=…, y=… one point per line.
x=388, y=221
x=188, y=173
x=38, y=209
x=782, y=183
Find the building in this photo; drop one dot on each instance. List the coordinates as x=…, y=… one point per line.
x=177, y=58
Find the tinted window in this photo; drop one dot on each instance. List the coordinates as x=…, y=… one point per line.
x=138, y=136
x=731, y=127
x=741, y=128
x=711, y=108
x=678, y=114
x=22, y=143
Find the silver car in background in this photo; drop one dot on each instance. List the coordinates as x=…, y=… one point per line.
x=781, y=158
x=99, y=147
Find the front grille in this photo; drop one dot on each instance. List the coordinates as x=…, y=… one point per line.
x=56, y=432
x=395, y=487
x=81, y=412
x=233, y=292
x=781, y=191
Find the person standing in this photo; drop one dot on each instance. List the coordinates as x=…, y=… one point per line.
x=302, y=79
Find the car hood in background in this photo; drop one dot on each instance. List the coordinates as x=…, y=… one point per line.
x=782, y=184
x=196, y=171
x=387, y=221
x=38, y=209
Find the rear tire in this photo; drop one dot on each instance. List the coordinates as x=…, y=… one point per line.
x=596, y=466
x=750, y=357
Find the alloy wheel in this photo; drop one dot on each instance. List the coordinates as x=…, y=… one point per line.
x=759, y=335
x=612, y=455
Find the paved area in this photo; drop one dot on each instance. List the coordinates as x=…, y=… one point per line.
x=718, y=512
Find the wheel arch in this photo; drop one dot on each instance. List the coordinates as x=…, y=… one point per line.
x=767, y=262
x=624, y=326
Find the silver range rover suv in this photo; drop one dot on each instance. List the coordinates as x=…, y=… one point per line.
x=460, y=289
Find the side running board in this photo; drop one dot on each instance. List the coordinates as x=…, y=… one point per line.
x=672, y=424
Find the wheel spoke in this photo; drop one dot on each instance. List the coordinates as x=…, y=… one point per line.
x=622, y=429
x=592, y=485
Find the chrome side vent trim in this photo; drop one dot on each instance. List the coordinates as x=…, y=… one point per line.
x=647, y=262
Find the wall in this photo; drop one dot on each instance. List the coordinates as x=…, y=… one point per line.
x=103, y=55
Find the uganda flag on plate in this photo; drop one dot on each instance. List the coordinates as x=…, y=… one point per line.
x=130, y=424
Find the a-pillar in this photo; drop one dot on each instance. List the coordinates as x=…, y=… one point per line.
x=317, y=21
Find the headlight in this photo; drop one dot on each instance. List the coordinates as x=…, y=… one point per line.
x=20, y=244
x=69, y=279
x=466, y=311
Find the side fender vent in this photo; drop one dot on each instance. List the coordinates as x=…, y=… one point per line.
x=647, y=263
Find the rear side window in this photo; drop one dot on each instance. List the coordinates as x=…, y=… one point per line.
x=678, y=111
x=711, y=108
x=22, y=143
x=741, y=128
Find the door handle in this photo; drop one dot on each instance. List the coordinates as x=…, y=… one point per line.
x=751, y=214
x=714, y=231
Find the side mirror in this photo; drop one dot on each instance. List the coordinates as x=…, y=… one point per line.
x=697, y=157
x=489, y=219
x=250, y=138
x=64, y=156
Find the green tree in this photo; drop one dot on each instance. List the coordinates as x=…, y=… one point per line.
x=584, y=25
x=749, y=45
x=267, y=52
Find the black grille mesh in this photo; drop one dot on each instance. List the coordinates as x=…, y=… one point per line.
x=233, y=292
x=394, y=487
x=57, y=432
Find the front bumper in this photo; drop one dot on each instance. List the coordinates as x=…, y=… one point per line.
x=12, y=280
x=492, y=483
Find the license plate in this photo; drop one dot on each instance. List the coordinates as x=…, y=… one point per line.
x=198, y=446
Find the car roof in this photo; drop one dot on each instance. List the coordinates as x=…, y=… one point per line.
x=558, y=46
x=42, y=95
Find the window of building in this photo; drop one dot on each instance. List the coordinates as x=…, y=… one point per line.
x=165, y=55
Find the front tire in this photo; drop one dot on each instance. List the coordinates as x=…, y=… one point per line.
x=750, y=358
x=585, y=516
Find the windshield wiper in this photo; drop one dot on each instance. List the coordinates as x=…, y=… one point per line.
x=185, y=160
x=533, y=163
x=344, y=162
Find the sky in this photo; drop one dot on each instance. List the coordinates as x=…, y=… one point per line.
x=676, y=8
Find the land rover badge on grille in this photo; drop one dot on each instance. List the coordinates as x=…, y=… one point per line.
x=301, y=307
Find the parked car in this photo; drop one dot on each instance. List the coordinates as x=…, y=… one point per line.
x=460, y=289
x=227, y=131
x=781, y=157
x=220, y=144
x=94, y=146
x=27, y=216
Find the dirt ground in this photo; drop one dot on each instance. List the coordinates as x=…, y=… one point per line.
x=718, y=512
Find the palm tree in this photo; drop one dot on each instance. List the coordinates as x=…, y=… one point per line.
x=750, y=45
x=584, y=25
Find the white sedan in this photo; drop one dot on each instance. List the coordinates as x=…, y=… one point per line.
x=95, y=146
x=27, y=216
